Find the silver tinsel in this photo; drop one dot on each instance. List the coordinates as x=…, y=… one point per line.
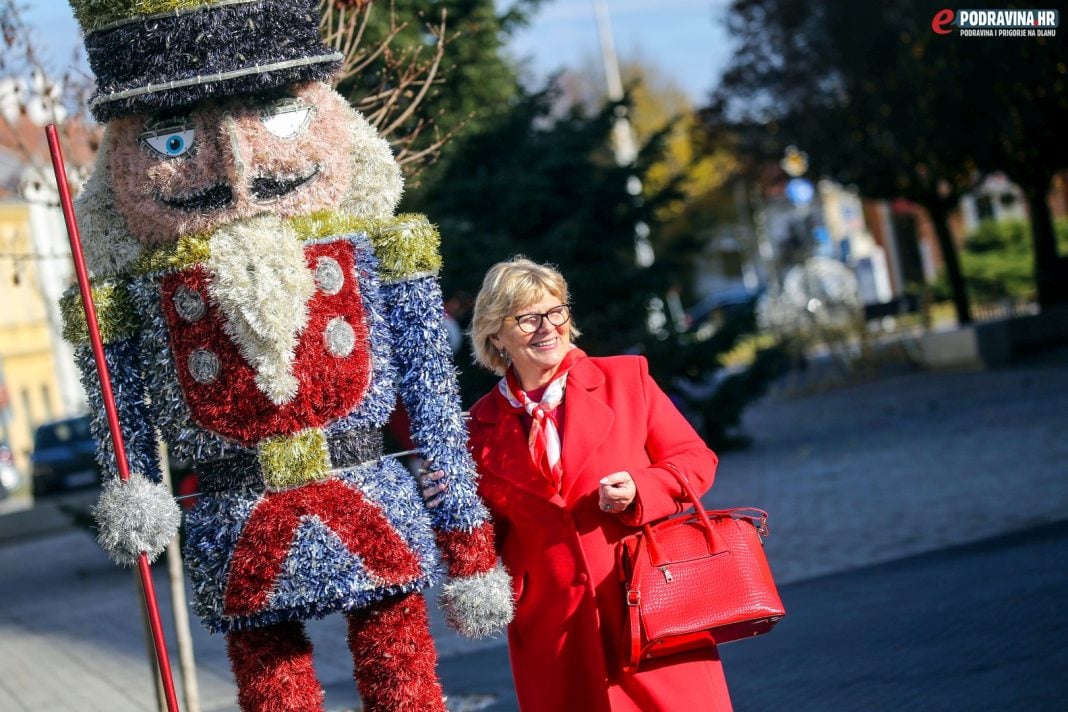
x=135, y=516
x=480, y=605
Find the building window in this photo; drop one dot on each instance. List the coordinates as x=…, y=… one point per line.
x=984, y=206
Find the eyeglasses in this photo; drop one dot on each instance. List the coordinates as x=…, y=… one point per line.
x=557, y=316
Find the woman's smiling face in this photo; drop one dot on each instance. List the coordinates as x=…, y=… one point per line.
x=536, y=356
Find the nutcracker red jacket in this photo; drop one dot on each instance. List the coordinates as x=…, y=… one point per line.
x=560, y=547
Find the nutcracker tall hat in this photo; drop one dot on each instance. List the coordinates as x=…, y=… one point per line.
x=152, y=55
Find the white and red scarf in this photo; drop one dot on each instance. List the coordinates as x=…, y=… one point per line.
x=544, y=438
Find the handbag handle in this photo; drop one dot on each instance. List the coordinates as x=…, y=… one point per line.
x=712, y=539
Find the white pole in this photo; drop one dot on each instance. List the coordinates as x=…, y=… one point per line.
x=623, y=138
x=624, y=145
x=183, y=636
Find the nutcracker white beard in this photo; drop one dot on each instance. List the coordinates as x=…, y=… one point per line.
x=261, y=284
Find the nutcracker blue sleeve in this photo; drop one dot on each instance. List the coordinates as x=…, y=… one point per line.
x=477, y=598
x=139, y=515
x=122, y=352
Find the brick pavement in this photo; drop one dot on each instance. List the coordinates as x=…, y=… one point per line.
x=852, y=477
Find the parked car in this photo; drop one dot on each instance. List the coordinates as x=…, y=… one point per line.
x=64, y=460
x=10, y=477
x=63, y=457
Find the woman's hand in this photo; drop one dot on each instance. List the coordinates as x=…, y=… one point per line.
x=617, y=492
x=430, y=485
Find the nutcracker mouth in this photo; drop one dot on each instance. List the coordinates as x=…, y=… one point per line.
x=216, y=197
x=272, y=187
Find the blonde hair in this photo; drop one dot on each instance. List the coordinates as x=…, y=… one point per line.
x=509, y=286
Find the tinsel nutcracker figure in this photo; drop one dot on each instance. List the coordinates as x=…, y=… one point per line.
x=262, y=307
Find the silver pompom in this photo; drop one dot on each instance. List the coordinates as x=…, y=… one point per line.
x=480, y=605
x=135, y=516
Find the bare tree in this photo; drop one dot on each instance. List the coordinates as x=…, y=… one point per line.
x=34, y=94
x=404, y=76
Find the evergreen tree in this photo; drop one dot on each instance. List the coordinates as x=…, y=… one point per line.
x=549, y=189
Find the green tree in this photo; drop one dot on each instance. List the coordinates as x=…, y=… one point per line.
x=550, y=189
x=879, y=99
x=998, y=259
x=1024, y=83
x=694, y=173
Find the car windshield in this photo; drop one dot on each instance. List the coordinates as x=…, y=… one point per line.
x=62, y=433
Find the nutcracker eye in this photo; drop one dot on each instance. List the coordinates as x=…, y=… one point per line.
x=171, y=139
x=287, y=117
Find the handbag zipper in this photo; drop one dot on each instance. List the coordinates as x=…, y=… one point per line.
x=667, y=574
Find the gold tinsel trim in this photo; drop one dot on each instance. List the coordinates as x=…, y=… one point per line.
x=293, y=460
x=114, y=313
x=406, y=246
x=98, y=14
x=186, y=252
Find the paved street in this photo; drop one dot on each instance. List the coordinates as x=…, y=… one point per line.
x=919, y=531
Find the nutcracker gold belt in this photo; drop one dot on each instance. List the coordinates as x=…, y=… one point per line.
x=289, y=461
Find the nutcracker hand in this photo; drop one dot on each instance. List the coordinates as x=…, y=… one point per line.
x=480, y=605
x=135, y=516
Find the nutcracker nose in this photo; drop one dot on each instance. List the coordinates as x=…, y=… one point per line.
x=237, y=167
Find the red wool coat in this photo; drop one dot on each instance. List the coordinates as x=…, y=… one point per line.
x=566, y=638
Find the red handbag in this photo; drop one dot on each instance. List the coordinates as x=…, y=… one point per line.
x=696, y=580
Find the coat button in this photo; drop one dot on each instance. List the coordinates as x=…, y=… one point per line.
x=582, y=578
x=329, y=275
x=204, y=366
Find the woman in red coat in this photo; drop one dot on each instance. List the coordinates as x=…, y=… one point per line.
x=571, y=451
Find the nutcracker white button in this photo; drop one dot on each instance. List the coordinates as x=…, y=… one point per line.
x=328, y=275
x=204, y=366
x=339, y=337
x=189, y=304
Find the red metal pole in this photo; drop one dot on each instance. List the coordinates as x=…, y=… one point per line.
x=109, y=403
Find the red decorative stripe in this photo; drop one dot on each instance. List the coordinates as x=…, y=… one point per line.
x=469, y=552
x=266, y=539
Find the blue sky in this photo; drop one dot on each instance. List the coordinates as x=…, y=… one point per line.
x=684, y=39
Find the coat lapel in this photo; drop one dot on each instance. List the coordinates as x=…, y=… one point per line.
x=509, y=433
x=587, y=418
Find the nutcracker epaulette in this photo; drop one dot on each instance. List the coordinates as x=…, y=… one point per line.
x=408, y=247
x=114, y=313
x=187, y=251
